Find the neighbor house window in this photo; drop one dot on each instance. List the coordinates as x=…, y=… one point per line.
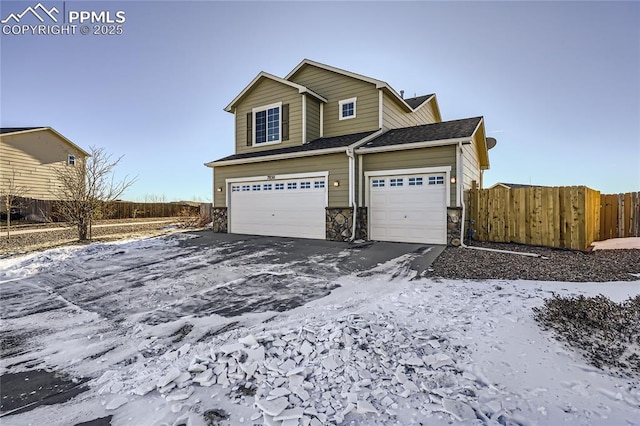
x=396, y=181
x=267, y=124
x=436, y=180
x=71, y=160
x=347, y=108
x=318, y=184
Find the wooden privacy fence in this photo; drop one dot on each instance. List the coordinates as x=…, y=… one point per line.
x=620, y=215
x=565, y=217
x=127, y=209
x=45, y=210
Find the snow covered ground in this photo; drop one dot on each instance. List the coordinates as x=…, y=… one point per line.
x=617, y=243
x=378, y=347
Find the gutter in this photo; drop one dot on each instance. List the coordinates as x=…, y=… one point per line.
x=462, y=244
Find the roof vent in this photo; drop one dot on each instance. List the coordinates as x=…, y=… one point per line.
x=402, y=94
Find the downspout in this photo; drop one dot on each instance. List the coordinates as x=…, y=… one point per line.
x=461, y=200
x=352, y=192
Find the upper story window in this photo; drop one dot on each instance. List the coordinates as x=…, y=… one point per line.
x=267, y=124
x=347, y=108
x=71, y=160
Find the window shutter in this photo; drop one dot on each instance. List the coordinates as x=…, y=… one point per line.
x=249, y=129
x=285, y=122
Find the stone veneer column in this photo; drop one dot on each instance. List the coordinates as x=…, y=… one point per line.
x=219, y=217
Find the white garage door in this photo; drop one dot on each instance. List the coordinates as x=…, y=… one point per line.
x=410, y=208
x=282, y=208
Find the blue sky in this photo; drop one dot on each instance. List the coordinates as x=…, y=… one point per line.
x=557, y=82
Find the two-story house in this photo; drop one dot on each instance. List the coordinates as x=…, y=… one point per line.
x=30, y=156
x=326, y=153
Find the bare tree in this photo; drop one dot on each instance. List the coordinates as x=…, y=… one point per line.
x=86, y=187
x=12, y=196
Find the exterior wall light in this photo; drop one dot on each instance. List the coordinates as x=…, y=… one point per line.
x=453, y=180
x=336, y=183
x=219, y=189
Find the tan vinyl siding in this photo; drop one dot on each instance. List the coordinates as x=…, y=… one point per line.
x=268, y=92
x=34, y=156
x=313, y=119
x=394, y=116
x=336, y=164
x=413, y=158
x=470, y=164
x=336, y=87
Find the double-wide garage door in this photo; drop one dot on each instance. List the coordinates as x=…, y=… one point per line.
x=408, y=208
x=282, y=207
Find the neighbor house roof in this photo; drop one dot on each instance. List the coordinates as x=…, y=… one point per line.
x=515, y=185
x=4, y=130
x=418, y=100
x=15, y=130
x=312, y=148
x=262, y=75
x=456, y=129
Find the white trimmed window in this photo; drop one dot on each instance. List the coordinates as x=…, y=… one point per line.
x=396, y=182
x=318, y=184
x=305, y=185
x=377, y=183
x=71, y=160
x=267, y=124
x=279, y=186
x=347, y=108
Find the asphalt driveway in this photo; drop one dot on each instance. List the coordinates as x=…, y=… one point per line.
x=50, y=301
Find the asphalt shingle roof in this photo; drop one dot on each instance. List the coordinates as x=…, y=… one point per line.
x=4, y=130
x=426, y=133
x=417, y=101
x=314, y=145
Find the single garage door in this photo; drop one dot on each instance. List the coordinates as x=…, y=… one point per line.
x=282, y=208
x=409, y=208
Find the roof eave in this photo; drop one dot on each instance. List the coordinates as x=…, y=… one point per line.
x=39, y=129
x=414, y=145
x=276, y=157
x=301, y=89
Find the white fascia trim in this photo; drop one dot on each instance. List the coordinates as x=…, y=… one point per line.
x=336, y=70
x=213, y=187
x=304, y=118
x=321, y=120
x=414, y=145
x=378, y=83
x=323, y=174
x=276, y=157
x=337, y=150
x=380, y=108
x=365, y=139
x=423, y=170
x=262, y=74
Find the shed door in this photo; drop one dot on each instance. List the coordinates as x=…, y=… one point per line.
x=282, y=208
x=410, y=208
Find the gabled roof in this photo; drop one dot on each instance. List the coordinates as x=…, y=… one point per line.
x=19, y=130
x=456, y=129
x=262, y=75
x=378, y=83
x=312, y=148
